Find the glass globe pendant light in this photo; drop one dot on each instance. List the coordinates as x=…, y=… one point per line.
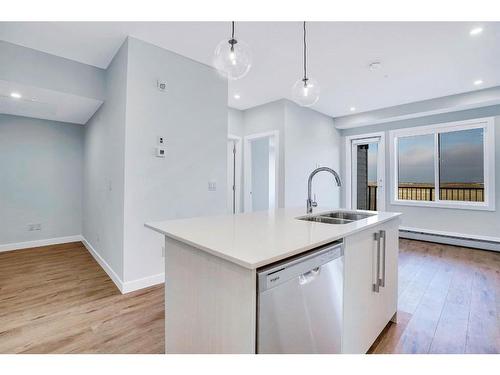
x=233, y=58
x=305, y=91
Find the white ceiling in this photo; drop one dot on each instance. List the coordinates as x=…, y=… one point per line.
x=420, y=60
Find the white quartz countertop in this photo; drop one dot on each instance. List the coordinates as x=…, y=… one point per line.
x=256, y=239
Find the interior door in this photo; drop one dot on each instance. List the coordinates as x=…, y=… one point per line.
x=261, y=171
x=367, y=174
x=231, y=176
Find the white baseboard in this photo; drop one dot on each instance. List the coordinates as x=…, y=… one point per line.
x=127, y=286
x=451, y=238
x=38, y=243
x=124, y=287
x=104, y=265
x=130, y=286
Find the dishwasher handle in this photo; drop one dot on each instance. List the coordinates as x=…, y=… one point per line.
x=309, y=276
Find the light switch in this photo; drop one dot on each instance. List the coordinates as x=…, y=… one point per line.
x=212, y=186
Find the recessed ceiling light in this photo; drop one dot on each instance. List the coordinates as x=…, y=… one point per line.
x=352, y=109
x=476, y=31
x=237, y=96
x=478, y=82
x=15, y=95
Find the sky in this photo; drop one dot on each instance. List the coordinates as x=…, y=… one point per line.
x=461, y=157
x=372, y=162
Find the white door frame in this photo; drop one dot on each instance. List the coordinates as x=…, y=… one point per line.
x=350, y=168
x=239, y=163
x=247, y=168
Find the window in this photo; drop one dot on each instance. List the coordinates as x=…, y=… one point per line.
x=461, y=165
x=416, y=168
x=446, y=165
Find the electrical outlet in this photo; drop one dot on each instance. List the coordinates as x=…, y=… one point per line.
x=33, y=227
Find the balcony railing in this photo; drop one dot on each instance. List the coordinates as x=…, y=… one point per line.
x=471, y=192
x=372, y=196
x=464, y=192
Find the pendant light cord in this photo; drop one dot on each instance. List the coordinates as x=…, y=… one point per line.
x=305, y=54
x=232, y=41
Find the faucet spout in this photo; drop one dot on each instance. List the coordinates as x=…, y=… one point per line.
x=310, y=202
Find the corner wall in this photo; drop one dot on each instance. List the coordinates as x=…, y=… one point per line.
x=104, y=164
x=308, y=139
x=192, y=116
x=311, y=141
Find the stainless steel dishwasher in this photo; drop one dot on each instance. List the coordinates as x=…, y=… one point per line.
x=299, y=303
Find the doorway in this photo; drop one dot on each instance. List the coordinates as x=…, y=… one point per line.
x=234, y=161
x=261, y=171
x=365, y=168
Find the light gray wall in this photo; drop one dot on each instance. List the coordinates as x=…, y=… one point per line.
x=473, y=222
x=260, y=174
x=104, y=164
x=235, y=122
x=192, y=116
x=40, y=178
x=310, y=141
x=35, y=68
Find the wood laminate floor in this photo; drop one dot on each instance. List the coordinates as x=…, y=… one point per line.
x=57, y=299
x=449, y=301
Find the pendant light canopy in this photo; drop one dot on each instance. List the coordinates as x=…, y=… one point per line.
x=305, y=91
x=233, y=58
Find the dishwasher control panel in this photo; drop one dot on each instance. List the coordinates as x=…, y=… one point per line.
x=304, y=264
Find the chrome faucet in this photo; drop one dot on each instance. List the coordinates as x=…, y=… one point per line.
x=310, y=202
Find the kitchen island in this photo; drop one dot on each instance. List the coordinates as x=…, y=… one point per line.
x=212, y=264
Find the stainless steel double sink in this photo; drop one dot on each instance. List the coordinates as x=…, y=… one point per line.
x=336, y=217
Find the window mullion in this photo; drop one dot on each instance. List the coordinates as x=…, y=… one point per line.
x=436, y=167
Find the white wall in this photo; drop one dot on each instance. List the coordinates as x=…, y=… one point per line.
x=479, y=223
x=235, y=122
x=40, y=179
x=192, y=116
x=310, y=141
x=104, y=163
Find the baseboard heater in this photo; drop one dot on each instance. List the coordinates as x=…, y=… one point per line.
x=450, y=239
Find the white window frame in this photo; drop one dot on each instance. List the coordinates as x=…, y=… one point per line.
x=486, y=123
